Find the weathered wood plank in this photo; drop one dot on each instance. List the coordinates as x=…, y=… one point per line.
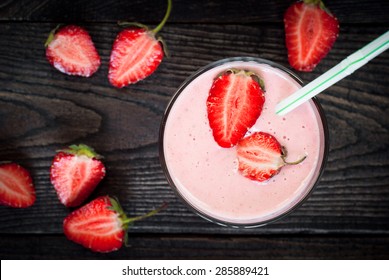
x=226, y=11
x=42, y=110
x=320, y=247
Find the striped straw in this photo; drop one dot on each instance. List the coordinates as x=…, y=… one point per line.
x=335, y=74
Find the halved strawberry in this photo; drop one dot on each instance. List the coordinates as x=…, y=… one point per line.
x=16, y=186
x=70, y=50
x=261, y=156
x=75, y=173
x=234, y=104
x=100, y=225
x=136, y=53
x=310, y=32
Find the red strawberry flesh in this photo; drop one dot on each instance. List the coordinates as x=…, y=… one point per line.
x=96, y=226
x=136, y=54
x=101, y=225
x=72, y=51
x=75, y=175
x=310, y=33
x=234, y=104
x=16, y=186
x=259, y=156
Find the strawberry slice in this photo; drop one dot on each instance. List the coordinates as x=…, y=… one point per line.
x=100, y=225
x=75, y=173
x=136, y=53
x=234, y=104
x=261, y=156
x=310, y=32
x=16, y=186
x=70, y=50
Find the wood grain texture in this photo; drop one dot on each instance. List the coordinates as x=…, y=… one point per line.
x=43, y=110
x=200, y=11
x=158, y=247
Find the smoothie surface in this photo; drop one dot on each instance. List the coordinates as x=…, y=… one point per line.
x=207, y=176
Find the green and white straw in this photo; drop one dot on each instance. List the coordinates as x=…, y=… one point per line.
x=335, y=74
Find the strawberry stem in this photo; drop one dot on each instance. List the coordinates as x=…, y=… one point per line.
x=294, y=162
x=284, y=154
x=165, y=18
x=149, y=214
x=127, y=222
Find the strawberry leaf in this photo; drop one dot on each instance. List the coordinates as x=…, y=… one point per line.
x=50, y=38
x=165, y=18
x=82, y=149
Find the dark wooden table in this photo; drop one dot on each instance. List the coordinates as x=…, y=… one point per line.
x=42, y=110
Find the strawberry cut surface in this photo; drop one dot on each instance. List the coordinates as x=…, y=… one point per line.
x=259, y=156
x=310, y=32
x=95, y=226
x=234, y=104
x=101, y=225
x=136, y=54
x=16, y=186
x=75, y=173
x=72, y=51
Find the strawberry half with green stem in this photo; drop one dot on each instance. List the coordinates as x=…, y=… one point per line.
x=16, y=186
x=136, y=53
x=261, y=156
x=75, y=173
x=101, y=225
x=310, y=32
x=234, y=104
x=70, y=50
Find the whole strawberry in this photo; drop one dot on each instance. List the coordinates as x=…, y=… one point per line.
x=70, y=50
x=261, y=156
x=75, y=173
x=16, y=186
x=234, y=104
x=136, y=53
x=310, y=32
x=100, y=225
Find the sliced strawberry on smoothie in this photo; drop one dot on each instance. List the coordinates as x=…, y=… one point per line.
x=70, y=50
x=234, y=104
x=101, y=225
x=75, y=172
x=16, y=186
x=136, y=53
x=310, y=32
x=261, y=156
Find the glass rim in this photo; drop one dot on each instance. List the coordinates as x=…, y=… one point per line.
x=166, y=171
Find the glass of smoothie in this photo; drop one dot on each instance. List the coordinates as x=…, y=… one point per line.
x=206, y=176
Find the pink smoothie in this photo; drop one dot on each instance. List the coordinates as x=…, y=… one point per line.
x=206, y=176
